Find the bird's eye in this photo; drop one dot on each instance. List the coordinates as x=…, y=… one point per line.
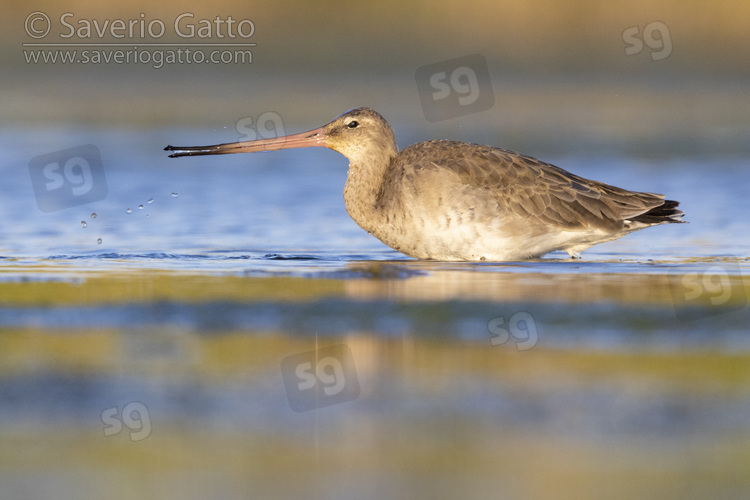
x=353, y=124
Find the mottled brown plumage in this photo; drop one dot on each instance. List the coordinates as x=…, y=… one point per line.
x=449, y=200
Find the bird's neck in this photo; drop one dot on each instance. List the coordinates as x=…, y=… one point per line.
x=363, y=191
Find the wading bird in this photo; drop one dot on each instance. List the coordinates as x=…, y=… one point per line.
x=455, y=201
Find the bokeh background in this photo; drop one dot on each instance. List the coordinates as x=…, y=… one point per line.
x=637, y=382
x=560, y=71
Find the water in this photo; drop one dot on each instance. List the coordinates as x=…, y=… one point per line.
x=180, y=295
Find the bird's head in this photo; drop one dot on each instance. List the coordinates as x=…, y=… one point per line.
x=360, y=134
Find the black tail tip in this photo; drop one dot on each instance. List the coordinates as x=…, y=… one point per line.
x=664, y=213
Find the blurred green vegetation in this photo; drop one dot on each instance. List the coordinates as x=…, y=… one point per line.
x=436, y=285
x=404, y=428
x=314, y=60
x=540, y=36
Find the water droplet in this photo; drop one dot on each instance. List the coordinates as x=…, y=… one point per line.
x=99, y=241
x=150, y=200
x=174, y=195
x=140, y=207
x=128, y=211
x=93, y=215
x=83, y=224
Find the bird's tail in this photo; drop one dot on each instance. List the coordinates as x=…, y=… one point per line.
x=666, y=212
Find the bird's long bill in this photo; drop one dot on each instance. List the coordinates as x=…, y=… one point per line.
x=311, y=138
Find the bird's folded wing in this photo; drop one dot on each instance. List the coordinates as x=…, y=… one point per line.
x=539, y=191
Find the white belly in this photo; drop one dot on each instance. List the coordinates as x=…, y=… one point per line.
x=480, y=241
